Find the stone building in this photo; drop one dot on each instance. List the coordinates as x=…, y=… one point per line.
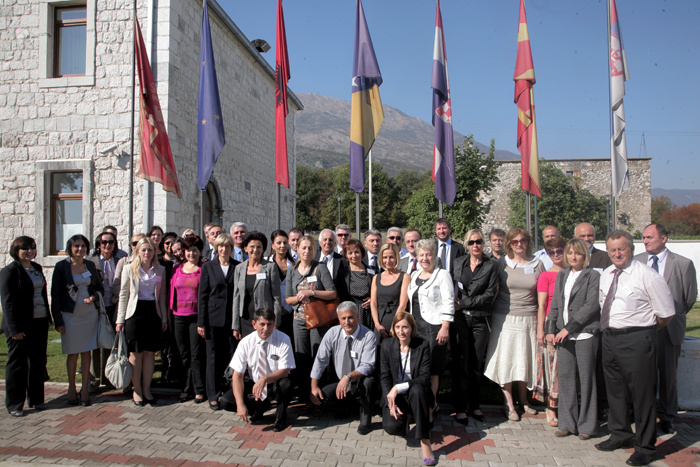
x=634, y=211
x=65, y=101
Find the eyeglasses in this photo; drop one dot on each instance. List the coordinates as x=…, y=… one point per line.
x=107, y=242
x=394, y=237
x=518, y=242
x=475, y=242
x=342, y=235
x=134, y=243
x=167, y=243
x=557, y=252
x=191, y=235
x=30, y=247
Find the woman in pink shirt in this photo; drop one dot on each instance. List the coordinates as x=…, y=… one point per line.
x=546, y=387
x=184, y=289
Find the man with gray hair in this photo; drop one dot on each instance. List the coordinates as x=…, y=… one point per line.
x=395, y=235
x=548, y=233
x=238, y=232
x=343, y=233
x=373, y=242
x=326, y=254
x=352, y=349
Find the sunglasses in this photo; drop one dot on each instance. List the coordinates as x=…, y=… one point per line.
x=342, y=235
x=30, y=247
x=518, y=242
x=475, y=242
x=191, y=235
x=107, y=242
x=167, y=243
x=394, y=237
x=557, y=252
x=134, y=243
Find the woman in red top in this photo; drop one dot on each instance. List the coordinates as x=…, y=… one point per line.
x=184, y=291
x=546, y=387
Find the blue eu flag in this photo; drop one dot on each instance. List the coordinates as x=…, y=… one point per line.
x=210, y=124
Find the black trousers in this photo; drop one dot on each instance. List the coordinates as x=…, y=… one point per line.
x=361, y=389
x=220, y=345
x=417, y=402
x=470, y=337
x=629, y=364
x=668, y=383
x=280, y=390
x=26, y=361
x=191, y=347
x=306, y=343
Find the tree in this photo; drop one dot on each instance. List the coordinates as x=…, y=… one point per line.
x=562, y=204
x=312, y=190
x=476, y=174
x=659, y=205
x=683, y=221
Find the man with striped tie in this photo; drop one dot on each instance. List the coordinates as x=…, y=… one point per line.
x=635, y=301
x=267, y=356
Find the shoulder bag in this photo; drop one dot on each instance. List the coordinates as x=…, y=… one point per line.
x=320, y=313
x=105, y=331
x=118, y=369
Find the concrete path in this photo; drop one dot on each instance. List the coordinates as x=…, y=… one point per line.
x=113, y=432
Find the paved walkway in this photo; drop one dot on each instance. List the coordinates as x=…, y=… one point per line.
x=113, y=432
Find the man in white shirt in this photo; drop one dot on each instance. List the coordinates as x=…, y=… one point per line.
x=267, y=356
x=635, y=301
x=548, y=233
x=679, y=274
x=343, y=233
x=238, y=232
x=447, y=249
x=294, y=235
x=373, y=242
x=327, y=254
x=395, y=235
x=352, y=349
x=409, y=263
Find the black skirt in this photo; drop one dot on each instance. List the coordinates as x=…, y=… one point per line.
x=143, y=329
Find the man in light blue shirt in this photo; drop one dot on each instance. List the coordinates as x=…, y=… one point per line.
x=548, y=233
x=238, y=232
x=352, y=349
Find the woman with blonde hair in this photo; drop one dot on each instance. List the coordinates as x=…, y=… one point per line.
x=142, y=314
x=572, y=325
x=512, y=350
x=389, y=291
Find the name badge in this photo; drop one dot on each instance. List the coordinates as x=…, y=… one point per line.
x=353, y=354
x=626, y=290
x=598, y=270
x=261, y=276
x=460, y=285
x=529, y=270
x=311, y=279
x=370, y=271
x=86, y=274
x=274, y=357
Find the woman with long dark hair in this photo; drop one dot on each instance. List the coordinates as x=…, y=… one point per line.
x=281, y=255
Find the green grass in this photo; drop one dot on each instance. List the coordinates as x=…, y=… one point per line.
x=692, y=326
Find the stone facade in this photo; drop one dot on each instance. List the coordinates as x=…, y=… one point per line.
x=634, y=211
x=83, y=123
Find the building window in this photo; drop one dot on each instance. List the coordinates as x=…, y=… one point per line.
x=212, y=207
x=246, y=185
x=66, y=208
x=70, y=29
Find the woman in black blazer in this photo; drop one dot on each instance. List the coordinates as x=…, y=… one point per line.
x=354, y=281
x=25, y=320
x=573, y=324
x=406, y=388
x=215, y=315
x=74, y=286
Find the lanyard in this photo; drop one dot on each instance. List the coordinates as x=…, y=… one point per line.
x=403, y=363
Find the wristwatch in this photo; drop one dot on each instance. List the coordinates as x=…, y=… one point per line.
x=313, y=293
x=348, y=377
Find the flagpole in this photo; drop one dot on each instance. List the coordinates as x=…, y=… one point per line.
x=279, y=191
x=613, y=207
x=528, y=223
x=371, y=224
x=536, y=227
x=201, y=214
x=439, y=208
x=130, y=228
x=357, y=215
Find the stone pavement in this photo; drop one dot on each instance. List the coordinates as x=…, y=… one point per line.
x=113, y=432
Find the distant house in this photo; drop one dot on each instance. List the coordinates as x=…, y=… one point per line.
x=65, y=101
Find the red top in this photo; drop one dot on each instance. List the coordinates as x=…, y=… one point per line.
x=546, y=284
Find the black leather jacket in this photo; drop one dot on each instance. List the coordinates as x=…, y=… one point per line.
x=478, y=295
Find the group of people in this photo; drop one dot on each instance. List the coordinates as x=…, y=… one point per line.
x=580, y=327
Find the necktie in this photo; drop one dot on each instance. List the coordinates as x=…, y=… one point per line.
x=295, y=257
x=443, y=255
x=609, y=299
x=414, y=265
x=263, y=369
x=109, y=272
x=655, y=264
x=373, y=263
x=347, y=358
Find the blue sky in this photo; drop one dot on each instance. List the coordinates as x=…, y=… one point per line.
x=569, y=47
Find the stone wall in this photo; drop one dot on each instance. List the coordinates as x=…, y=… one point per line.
x=83, y=123
x=634, y=204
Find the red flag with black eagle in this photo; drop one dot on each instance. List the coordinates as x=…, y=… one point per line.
x=281, y=110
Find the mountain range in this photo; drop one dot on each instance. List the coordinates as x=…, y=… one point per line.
x=404, y=142
x=678, y=197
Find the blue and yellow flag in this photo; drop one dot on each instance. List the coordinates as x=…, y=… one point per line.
x=367, y=113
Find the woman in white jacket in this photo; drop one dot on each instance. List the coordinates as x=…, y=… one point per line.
x=431, y=295
x=142, y=314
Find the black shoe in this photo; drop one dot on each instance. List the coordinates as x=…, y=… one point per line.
x=151, y=401
x=279, y=425
x=638, y=458
x=73, y=401
x=611, y=445
x=364, y=429
x=139, y=403
x=256, y=416
x=199, y=401
x=40, y=407
x=86, y=403
x=215, y=406
x=478, y=418
x=666, y=427
x=188, y=397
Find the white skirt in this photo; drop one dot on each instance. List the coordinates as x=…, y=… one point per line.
x=512, y=351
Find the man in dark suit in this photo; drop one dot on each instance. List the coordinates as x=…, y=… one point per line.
x=599, y=258
x=373, y=242
x=214, y=231
x=447, y=249
x=327, y=254
x=679, y=273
